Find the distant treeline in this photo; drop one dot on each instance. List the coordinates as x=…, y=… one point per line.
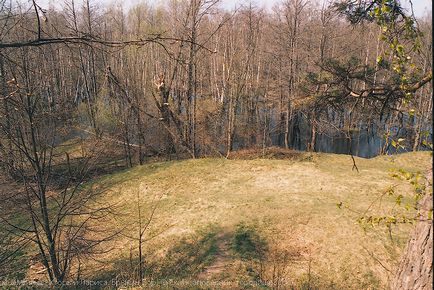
x=193, y=79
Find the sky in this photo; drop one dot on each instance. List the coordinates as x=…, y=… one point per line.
x=421, y=7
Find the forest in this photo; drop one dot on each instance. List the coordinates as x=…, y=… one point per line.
x=90, y=90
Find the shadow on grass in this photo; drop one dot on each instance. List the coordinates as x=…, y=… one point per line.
x=184, y=260
x=260, y=265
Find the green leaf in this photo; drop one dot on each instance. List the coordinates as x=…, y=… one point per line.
x=390, y=190
x=399, y=199
x=400, y=49
x=391, y=220
x=385, y=9
x=408, y=175
x=379, y=60
x=377, y=11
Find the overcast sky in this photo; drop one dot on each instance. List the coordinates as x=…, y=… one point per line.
x=421, y=7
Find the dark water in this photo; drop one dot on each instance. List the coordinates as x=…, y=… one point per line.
x=362, y=143
x=366, y=141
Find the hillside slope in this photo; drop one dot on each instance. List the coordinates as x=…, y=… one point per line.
x=285, y=209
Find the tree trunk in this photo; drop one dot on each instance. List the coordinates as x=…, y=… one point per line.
x=287, y=123
x=4, y=92
x=415, y=270
x=311, y=144
x=230, y=129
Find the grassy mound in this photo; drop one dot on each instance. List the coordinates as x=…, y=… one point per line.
x=211, y=214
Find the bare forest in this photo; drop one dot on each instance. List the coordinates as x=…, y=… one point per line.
x=90, y=89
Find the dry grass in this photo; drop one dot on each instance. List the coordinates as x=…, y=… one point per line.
x=269, y=153
x=291, y=203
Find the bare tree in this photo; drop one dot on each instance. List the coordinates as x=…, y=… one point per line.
x=57, y=215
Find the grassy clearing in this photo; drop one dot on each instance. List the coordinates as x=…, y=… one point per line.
x=290, y=204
